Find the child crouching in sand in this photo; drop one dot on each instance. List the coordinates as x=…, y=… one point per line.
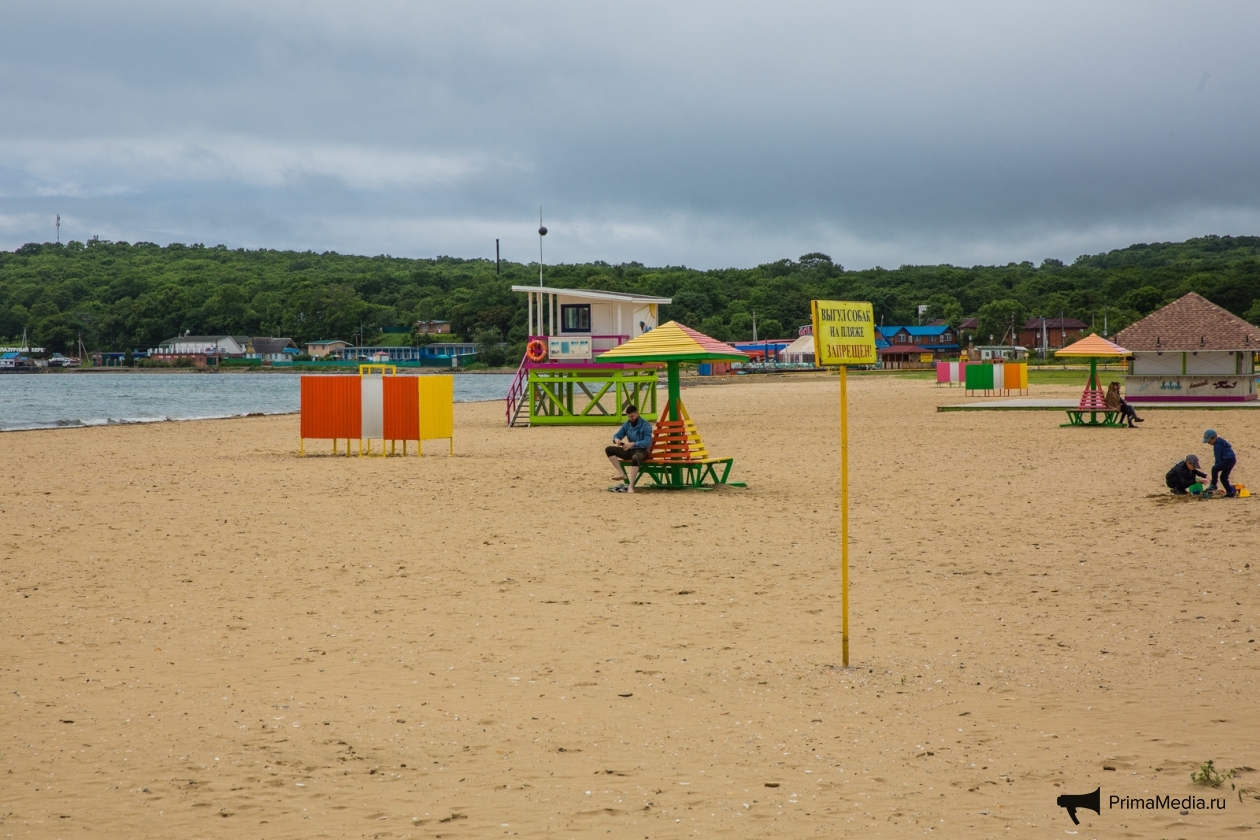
x=1184, y=475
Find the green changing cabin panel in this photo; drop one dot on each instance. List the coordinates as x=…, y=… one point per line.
x=980, y=377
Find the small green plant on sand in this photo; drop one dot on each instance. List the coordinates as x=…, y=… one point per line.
x=1208, y=776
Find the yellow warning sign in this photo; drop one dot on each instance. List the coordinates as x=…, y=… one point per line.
x=844, y=332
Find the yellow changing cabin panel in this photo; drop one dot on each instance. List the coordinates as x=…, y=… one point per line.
x=437, y=408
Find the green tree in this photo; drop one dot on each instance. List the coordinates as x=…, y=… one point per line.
x=714, y=326
x=769, y=328
x=946, y=308
x=998, y=319
x=57, y=332
x=226, y=310
x=740, y=327
x=1253, y=314
x=123, y=296
x=490, y=350
x=1145, y=300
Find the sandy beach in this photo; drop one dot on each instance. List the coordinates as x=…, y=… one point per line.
x=204, y=635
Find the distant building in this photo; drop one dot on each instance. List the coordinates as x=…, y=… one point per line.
x=433, y=327
x=15, y=360
x=325, y=347
x=996, y=353
x=1190, y=351
x=763, y=351
x=1052, y=333
x=272, y=349
x=201, y=350
x=441, y=354
x=190, y=345
x=914, y=346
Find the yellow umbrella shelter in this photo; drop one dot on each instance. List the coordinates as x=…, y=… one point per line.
x=1093, y=400
x=679, y=458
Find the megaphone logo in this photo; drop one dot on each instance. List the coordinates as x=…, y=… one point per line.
x=1072, y=801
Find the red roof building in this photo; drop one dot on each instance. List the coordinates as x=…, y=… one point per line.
x=1052, y=333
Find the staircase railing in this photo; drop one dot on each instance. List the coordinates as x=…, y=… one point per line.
x=517, y=391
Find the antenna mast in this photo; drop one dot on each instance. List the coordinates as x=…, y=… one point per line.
x=542, y=231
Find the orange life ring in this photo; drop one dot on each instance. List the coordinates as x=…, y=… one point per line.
x=536, y=351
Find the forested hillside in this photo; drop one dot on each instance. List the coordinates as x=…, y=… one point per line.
x=120, y=296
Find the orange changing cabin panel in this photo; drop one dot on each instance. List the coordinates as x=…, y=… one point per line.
x=331, y=407
x=402, y=408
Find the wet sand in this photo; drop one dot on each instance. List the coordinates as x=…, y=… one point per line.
x=203, y=635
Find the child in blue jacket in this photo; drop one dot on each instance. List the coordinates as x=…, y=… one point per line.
x=1226, y=460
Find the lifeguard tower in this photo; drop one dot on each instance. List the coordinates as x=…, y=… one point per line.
x=559, y=383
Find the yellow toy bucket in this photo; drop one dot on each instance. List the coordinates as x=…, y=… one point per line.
x=1241, y=490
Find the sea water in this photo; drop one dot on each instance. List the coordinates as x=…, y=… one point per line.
x=52, y=400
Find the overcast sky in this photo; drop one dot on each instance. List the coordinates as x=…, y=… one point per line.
x=698, y=133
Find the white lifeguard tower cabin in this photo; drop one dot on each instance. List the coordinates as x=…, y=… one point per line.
x=559, y=382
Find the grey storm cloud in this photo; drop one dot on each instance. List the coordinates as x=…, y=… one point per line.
x=706, y=134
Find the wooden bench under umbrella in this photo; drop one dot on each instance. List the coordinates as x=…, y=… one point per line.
x=1094, y=399
x=678, y=457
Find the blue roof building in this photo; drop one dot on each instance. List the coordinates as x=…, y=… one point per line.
x=908, y=346
x=941, y=336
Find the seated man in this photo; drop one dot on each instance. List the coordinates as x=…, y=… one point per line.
x=632, y=442
x=1184, y=475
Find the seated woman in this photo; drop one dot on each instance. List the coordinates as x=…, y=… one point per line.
x=1116, y=403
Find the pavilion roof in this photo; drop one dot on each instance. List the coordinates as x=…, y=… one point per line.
x=1191, y=322
x=673, y=342
x=1094, y=346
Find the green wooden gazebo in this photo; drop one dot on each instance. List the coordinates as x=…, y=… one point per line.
x=1093, y=400
x=679, y=457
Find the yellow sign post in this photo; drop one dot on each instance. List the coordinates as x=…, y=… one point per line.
x=844, y=334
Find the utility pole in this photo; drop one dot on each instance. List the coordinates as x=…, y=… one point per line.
x=58, y=228
x=496, y=258
x=754, y=314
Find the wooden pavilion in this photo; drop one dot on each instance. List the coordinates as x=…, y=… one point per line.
x=1191, y=351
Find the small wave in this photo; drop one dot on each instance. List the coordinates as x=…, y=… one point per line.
x=131, y=421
